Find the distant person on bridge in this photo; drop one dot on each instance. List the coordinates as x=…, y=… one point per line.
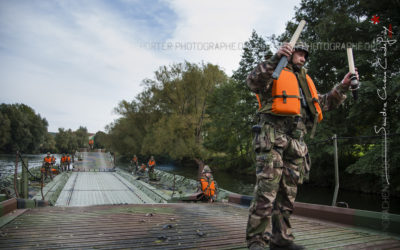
x=208, y=186
x=142, y=169
x=152, y=165
x=47, y=164
x=289, y=107
x=63, y=163
x=68, y=162
x=135, y=164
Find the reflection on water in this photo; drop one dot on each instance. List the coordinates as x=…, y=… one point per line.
x=7, y=162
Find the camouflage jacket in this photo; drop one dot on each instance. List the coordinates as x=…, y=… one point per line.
x=260, y=82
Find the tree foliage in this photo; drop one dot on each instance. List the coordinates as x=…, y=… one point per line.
x=331, y=27
x=169, y=116
x=21, y=129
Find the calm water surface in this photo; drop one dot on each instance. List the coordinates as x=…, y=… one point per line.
x=240, y=184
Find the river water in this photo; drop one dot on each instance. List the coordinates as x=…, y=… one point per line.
x=243, y=184
x=240, y=184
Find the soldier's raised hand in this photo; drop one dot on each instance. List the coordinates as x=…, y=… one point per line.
x=347, y=78
x=285, y=50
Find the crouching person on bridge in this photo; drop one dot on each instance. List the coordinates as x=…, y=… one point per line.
x=142, y=169
x=289, y=107
x=208, y=186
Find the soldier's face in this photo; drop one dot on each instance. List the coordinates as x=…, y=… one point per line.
x=299, y=58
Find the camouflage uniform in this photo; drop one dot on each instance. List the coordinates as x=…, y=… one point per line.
x=282, y=159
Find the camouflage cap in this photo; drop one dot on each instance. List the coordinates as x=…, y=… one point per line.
x=301, y=46
x=207, y=169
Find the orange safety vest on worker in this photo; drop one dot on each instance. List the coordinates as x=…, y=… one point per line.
x=53, y=159
x=63, y=159
x=134, y=159
x=208, y=187
x=48, y=159
x=68, y=159
x=152, y=163
x=286, y=95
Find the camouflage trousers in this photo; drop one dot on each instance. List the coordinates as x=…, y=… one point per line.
x=282, y=162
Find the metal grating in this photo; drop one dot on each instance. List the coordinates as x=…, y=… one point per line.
x=99, y=188
x=166, y=226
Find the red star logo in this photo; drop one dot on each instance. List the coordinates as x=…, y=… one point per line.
x=375, y=19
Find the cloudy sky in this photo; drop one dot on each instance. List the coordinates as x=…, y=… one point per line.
x=73, y=61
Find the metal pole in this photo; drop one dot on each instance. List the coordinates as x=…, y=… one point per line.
x=16, y=176
x=336, y=170
x=24, y=178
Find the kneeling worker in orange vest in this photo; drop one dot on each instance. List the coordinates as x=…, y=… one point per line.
x=142, y=169
x=208, y=186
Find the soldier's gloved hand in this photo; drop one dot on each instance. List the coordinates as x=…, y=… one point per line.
x=347, y=79
x=285, y=50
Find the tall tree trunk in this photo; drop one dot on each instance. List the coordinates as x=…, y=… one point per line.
x=200, y=164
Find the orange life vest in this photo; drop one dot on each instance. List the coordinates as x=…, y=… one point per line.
x=48, y=159
x=286, y=95
x=63, y=159
x=68, y=159
x=208, y=188
x=152, y=163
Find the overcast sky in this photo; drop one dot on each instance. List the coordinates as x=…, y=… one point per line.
x=74, y=61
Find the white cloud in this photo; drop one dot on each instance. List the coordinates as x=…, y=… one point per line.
x=73, y=61
x=225, y=23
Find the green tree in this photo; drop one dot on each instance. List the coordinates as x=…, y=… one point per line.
x=23, y=129
x=82, y=137
x=66, y=141
x=181, y=93
x=348, y=22
x=49, y=144
x=232, y=108
x=101, y=140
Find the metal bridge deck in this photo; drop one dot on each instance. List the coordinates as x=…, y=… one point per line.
x=99, y=188
x=166, y=226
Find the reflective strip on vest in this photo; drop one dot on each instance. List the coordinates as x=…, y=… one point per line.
x=259, y=102
x=286, y=95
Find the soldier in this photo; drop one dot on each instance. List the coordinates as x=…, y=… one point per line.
x=207, y=185
x=288, y=108
x=135, y=164
x=152, y=165
x=68, y=162
x=142, y=169
x=47, y=164
x=63, y=162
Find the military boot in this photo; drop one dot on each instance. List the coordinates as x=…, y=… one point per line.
x=291, y=246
